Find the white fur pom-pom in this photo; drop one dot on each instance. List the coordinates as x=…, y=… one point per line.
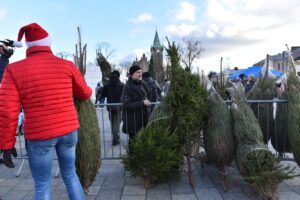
x=17, y=44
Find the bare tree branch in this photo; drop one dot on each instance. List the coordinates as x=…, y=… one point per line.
x=190, y=50
x=105, y=49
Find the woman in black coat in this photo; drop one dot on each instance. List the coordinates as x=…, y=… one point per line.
x=135, y=101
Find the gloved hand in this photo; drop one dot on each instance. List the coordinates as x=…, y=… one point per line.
x=7, y=157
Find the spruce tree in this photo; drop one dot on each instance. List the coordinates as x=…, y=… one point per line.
x=154, y=155
x=88, y=150
x=264, y=90
x=218, y=135
x=293, y=95
x=254, y=160
x=187, y=101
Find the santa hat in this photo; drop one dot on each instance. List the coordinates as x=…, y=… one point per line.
x=35, y=35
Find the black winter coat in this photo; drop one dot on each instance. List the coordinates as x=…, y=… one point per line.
x=3, y=62
x=135, y=114
x=113, y=92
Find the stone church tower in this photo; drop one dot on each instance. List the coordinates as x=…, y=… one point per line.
x=157, y=56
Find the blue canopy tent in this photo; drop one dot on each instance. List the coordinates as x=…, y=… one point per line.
x=254, y=70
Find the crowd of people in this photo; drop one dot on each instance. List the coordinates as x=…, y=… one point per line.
x=36, y=100
x=136, y=97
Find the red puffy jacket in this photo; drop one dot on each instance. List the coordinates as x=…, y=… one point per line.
x=44, y=85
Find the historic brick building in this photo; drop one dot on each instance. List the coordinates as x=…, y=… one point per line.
x=143, y=63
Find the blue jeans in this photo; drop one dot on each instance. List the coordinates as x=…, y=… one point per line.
x=40, y=156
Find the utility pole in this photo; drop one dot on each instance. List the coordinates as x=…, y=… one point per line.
x=221, y=73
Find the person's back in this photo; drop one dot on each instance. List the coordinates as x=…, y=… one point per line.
x=44, y=86
x=113, y=89
x=98, y=92
x=46, y=91
x=113, y=92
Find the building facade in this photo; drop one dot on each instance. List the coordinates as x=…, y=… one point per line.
x=143, y=63
x=157, y=59
x=281, y=60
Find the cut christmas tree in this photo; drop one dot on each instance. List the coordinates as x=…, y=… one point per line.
x=218, y=135
x=88, y=150
x=154, y=155
x=254, y=160
x=264, y=90
x=187, y=101
x=293, y=95
x=279, y=138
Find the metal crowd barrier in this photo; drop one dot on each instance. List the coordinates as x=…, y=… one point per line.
x=110, y=151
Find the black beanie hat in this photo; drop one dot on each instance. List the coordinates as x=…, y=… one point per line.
x=133, y=69
x=116, y=73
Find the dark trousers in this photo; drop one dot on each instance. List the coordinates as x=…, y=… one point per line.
x=115, y=120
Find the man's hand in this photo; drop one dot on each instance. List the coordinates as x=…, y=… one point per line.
x=7, y=157
x=147, y=102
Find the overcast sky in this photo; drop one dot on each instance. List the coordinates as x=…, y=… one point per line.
x=240, y=31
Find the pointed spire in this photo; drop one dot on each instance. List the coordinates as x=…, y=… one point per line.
x=156, y=42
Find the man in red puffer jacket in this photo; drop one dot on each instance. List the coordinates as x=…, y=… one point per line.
x=44, y=85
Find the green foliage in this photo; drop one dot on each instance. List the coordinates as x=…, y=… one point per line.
x=104, y=65
x=254, y=160
x=88, y=151
x=218, y=135
x=264, y=89
x=265, y=182
x=187, y=100
x=154, y=154
x=279, y=139
x=293, y=94
x=151, y=68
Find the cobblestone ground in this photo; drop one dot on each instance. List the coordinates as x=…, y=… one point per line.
x=113, y=183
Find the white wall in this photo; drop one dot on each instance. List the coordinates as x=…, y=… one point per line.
x=93, y=76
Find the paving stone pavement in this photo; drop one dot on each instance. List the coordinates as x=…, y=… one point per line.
x=113, y=183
